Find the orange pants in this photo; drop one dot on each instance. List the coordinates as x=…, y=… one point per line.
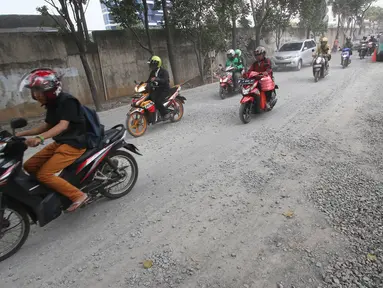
x=50, y=160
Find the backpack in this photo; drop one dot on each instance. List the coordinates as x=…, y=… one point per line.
x=94, y=129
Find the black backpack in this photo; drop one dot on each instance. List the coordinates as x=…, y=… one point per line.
x=94, y=129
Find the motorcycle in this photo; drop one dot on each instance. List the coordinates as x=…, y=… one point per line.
x=319, y=67
x=254, y=101
x=143, y=112
x=226, y=81
x=370, y=48
x=97, y=173
x=363, y=51
x=345, y=57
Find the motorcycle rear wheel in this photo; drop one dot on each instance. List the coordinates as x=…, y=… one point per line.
x=20, y=212
x=245, y=113
x=131, y=181
x=180, y=111
x=134, y=121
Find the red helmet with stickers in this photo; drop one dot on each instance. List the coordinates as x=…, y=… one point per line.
x=45, y=80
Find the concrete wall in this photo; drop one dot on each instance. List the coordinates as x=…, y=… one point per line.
x=22, y=52
x=123, y=60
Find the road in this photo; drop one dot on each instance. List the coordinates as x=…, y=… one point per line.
x=209, y=202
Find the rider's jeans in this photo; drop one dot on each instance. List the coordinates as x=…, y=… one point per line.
x=51, y=160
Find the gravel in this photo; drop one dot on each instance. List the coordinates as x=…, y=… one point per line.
x=291, y=199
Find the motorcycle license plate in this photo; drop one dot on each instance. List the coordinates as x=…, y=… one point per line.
x=317, y=65
x=345, y=54
x=246, y=81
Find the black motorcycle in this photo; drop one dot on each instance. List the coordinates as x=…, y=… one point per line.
x=362, y=51
x=107, y=171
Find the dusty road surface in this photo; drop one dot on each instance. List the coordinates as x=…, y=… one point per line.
x=209, y=202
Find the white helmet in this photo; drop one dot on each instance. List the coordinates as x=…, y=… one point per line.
x=230, y=52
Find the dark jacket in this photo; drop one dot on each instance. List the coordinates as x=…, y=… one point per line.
x=161, y=76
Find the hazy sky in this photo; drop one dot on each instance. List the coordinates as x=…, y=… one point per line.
x=93, y=13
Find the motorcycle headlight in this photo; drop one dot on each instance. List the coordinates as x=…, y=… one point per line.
x=319, y=60
x=245, y=91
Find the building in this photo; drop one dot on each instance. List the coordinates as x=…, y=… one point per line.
x=155, y=16
x=29, y=23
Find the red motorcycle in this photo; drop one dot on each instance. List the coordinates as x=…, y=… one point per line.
x=226, y=83
x=253, y=100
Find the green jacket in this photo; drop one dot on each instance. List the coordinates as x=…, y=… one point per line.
x=348, y=45
x=235, y=63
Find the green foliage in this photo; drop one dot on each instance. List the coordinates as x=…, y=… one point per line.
x=311, y=14
x=375, y=14
x=199, y=24
x=125, y=12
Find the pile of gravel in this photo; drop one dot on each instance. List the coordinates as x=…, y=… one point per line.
x=353, y=204
x=165, y=272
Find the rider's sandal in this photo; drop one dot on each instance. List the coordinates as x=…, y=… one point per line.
x=77, y=204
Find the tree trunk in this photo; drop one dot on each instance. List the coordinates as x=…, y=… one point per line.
x=234, y=32
x=170, y=43
x=257, y=35
x=146, y=19
x=91, y=82
x=199, y=62
x=84, y=24
x=338, y=28
x=308, y=33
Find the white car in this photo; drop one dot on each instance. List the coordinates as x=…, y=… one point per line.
x=294, y=54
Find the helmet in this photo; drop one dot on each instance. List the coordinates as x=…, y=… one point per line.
x=260, y=50
x=238, y=52
x=324, y=40
x=348, y=39
x=230, y=52
x=45, y=80
x=155, y=61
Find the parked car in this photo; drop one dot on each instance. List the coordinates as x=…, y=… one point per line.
x=379, y=50
x=294, y=54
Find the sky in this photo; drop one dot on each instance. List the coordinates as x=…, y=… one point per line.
x=93, y=13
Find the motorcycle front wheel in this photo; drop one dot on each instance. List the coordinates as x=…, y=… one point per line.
x=8, y=226
x=222, y=92
x=127, y=167
x=136, y=124
x=316, y=75
x=245, y=113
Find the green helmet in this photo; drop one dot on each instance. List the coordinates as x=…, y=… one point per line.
x=155, y=60
x=238, y=52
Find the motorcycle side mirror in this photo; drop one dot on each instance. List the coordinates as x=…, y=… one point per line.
x=18, y=123
x=135, y=82
x=219, y=65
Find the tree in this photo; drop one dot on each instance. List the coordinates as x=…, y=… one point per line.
x=170, y=41
x=199, y=24
x=229, y=12
x=311, y=14
x=78, y=31
x=261, y=10
x=280, y=17
x=375, y=16
x=128, y=14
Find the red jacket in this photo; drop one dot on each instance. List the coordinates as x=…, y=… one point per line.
x=262, y=66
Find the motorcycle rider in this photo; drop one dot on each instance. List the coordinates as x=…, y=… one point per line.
x=324, y=49
x=348, y=44
x=241, y=60
x=234, y=62
x=262, y=65
x=65, y=123
x=159, y=80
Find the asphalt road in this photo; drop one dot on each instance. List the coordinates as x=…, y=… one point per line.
x=209, y=201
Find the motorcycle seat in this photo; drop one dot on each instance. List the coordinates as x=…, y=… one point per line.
x=172, y=91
